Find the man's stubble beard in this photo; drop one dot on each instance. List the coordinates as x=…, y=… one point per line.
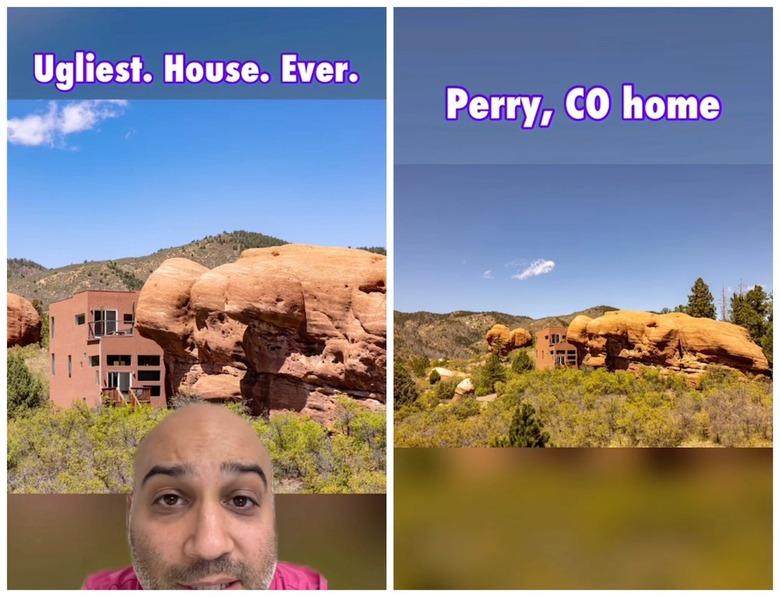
x=152, y=573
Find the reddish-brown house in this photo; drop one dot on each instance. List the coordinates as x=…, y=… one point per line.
x=95, y=351
x=552, y=349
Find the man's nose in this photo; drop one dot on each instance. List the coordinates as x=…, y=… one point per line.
x=210, y=537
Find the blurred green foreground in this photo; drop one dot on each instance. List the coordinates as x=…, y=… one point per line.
x=583, y=518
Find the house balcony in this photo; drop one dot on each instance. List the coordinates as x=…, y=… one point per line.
x=100, y=329
x=130, y=397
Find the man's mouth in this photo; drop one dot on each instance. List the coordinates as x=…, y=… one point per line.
x=217, y=584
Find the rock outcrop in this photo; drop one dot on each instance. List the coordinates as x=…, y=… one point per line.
x=464, y=388
x=287, y=327
x=626, y=339
x=502, y=340
x=24, y=323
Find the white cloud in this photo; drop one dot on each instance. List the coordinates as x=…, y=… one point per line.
x=488, y=275
x=35, y=129
x=537, y=268
x=61, y=120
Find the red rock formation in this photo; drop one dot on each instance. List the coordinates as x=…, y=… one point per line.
x=287, y=327
x=500, y=338
x=625, y=339
x=24, y=323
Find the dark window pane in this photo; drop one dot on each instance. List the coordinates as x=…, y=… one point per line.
x=148, y=360
x=149, y=375
x=118, y=360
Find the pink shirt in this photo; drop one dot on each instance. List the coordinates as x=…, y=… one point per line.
x=288, y=577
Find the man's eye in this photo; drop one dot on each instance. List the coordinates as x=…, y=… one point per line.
x=242, y=502
x=170, y=500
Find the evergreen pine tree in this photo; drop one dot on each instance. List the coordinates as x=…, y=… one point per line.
x=24, y=390
x=753, y=311
x=522, y=362
x=491, y=372
x=701, y=302
x=404, y=388
x=525, y=431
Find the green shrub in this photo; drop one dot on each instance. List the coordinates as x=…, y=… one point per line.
x=78, y=450
x=445, y=389
x=595, y=408
x=434, y=377
x=25, y=391
x=522, y=362
x=488, y=374
x=404, y=388
x=419, y=365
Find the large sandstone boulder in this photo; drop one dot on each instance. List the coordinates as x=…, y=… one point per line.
x=503, y=340
x=24, y=323
x=289, y=327
x=626, y=339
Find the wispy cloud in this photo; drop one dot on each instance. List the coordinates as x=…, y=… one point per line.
x=60, y=120
x=516, y=263
x=488, y=275
x=537, y=268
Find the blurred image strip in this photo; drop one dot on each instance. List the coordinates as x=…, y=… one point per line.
x=75, y=535
x=583, y=518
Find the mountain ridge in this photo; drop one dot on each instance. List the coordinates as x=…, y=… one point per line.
x=461, y=334
x=36, y=282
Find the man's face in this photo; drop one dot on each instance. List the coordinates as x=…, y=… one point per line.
x=202, y=512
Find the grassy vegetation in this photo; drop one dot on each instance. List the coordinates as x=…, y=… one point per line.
x=78, y=450
x=128, y=279
x=580, y=408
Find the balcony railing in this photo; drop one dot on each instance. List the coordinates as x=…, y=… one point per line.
x=98, y=329
x=132, y=397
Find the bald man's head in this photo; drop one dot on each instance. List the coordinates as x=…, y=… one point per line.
x=202, y=511
x=200, y=433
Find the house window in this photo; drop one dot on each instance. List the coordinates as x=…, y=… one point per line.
x=94, y=361
x=70, y=365
x=105, y=322
x=81, y=319
x=51, y=328
x=148, y=360
x=52, y=363
x=118, y=360
x=127, y=318
x=155, y=390
x=149, y=375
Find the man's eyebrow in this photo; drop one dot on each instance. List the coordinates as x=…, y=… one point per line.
x=176, y=470
x=240, y=467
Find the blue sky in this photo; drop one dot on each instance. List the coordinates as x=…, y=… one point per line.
x=100, y=180
x=633, y=237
